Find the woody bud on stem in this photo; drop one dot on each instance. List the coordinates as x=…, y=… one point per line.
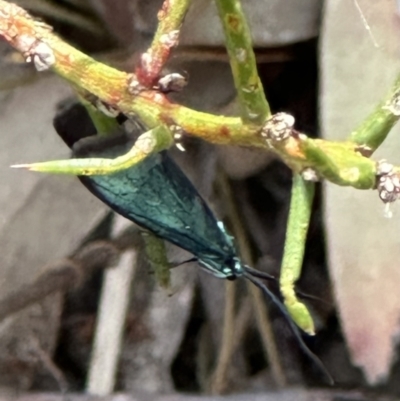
x=178, y=132
x=278, y=127
x=134, y=86
x=172, y=82
x=388, y=182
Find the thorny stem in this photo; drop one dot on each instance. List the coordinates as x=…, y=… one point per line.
x=36, y=41
x=170, y=19
x=111, y=85
x=376, y=127
x=152, y=141
x=295, y=241
x=333, y=162
x=254, y=105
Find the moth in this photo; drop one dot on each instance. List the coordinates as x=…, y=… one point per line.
x=158, y=196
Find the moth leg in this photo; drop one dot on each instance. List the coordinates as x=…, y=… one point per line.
x=296, y=235
x=152, y=141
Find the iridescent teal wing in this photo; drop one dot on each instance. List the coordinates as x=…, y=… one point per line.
x=155, y=193
x=158, y=196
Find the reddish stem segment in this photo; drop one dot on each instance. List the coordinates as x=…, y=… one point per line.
x=170, y=19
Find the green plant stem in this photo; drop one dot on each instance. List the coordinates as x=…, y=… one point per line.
x=170, y=18
x=296, y=235
x=104, y=125
x=152, y=141
x=376, y=127
x=338, y=162
x=111, y=86
x=254, y=106
x=157, y=256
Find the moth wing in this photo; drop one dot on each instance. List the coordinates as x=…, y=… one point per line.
x=157, y=195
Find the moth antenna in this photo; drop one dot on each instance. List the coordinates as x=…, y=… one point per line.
x=312, y=298
x=257, y=273
x=176, y=264
x=292, y=325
